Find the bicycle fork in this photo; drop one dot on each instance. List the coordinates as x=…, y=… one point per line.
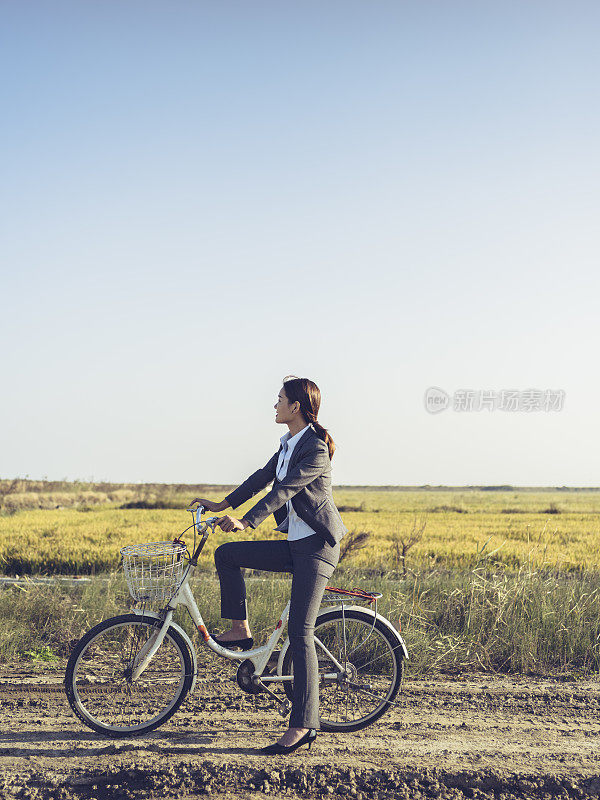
x=146, y=653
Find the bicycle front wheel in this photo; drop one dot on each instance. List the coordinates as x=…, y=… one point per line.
x=98, y=679
x=373, y=664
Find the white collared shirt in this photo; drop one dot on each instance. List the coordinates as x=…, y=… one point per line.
x=297, y=528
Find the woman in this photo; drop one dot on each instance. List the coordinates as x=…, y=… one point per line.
x=303, y=506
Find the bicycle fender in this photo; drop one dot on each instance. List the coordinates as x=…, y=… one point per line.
x=381, y=619
x=369, y=611
x=183, y=634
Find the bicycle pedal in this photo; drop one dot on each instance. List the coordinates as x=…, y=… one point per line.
x=284, y=707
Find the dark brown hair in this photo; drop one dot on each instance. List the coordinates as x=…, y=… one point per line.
x=308, y=394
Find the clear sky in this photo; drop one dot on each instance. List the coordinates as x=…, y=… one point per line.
x=201, y=198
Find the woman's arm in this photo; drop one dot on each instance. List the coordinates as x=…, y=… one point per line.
x=210, y=505
x=307, y=468
x=229, y=524
x=257, y=481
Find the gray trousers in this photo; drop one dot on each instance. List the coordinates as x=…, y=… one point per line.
x=311, y=561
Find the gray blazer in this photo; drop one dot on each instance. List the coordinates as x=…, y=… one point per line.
x=307, y=484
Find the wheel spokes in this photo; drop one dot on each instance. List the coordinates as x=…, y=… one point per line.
x=102, y=678
x=369, y=664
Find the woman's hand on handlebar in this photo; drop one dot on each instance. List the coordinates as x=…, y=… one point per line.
x=211, y=505
x=229, y=524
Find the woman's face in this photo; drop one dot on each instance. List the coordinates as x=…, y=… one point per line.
x=284, y=411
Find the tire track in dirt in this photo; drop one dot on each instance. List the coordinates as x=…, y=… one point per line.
x=478, y=736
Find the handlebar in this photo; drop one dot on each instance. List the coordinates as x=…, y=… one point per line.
x=197, y=512
x=202, y=531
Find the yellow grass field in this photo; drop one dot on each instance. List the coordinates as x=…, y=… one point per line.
x=554, y=528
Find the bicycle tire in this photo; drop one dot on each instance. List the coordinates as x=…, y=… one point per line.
x=396, y=657
x=82, y=703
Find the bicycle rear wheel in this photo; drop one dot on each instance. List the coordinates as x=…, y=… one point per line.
x=98, y=680
x=373, y=661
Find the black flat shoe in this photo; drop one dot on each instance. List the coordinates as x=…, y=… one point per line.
x=245, y=644
x=280, y=749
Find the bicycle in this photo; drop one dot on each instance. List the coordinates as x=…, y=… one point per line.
x=130, y=673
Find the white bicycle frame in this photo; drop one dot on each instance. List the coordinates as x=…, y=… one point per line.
x=259, y=656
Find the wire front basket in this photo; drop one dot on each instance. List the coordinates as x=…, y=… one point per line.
x=154, y=571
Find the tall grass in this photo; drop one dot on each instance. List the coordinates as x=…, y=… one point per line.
x=66, y=540
x=529, y=621
x=18, y=494
x=525, y=622
x=529, y=602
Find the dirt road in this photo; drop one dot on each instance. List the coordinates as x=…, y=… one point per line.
x=476, y=737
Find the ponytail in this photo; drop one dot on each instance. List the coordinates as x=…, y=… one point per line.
x=308, y=395
x=323, y=434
